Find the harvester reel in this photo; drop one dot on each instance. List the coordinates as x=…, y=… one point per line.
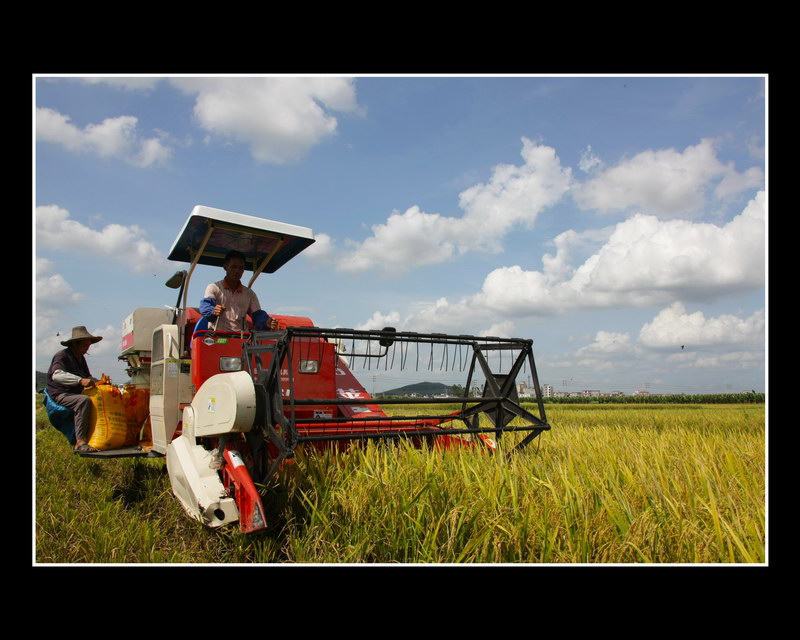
x=360, y=415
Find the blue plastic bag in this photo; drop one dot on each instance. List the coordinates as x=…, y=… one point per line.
x=62, y=418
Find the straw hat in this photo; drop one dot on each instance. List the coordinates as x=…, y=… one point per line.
x=80, y=333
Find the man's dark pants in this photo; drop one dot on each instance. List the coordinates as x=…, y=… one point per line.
x=81, y=406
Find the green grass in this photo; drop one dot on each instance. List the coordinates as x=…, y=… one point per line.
x=609, y=484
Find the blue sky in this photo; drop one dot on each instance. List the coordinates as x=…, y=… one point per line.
x=619, y=222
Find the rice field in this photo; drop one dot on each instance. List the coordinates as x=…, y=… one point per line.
x=609, y=484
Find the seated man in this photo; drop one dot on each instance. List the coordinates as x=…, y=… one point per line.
x=68, y=376
x=227, y=302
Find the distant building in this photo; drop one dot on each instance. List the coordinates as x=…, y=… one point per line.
x=525, y=391
x=588, y=393
x=547, y=391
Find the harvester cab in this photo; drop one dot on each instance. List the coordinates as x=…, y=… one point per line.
x=228, y=409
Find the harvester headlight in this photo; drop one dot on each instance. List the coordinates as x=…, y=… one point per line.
x=230, y=364
x=309, y=366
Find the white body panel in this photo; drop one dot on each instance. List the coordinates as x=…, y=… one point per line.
x=197, y=485
x=170, y=386
x=226, y=403
x=138, y=327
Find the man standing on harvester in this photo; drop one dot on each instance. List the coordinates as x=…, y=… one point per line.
x=227, y=302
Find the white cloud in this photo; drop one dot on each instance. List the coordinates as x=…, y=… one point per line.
x=515, y=195
x=379, y=321
x=410, y=239
x=151, y=152
x=112, y=138
x=733, y=183
x=607, y=352
x=439, y=316
x=589, y=160
x=132, y=83
x=51, y=288
x=673, y=328
x=571, y=245
x=55, y=299
x=743, y=360
x=646, y=258
x=56, y=230
x=755, y=146
x=665, y=182
x=643, y=262
x=719, y=358
x=281, y=118
x=53, y=295
x=503, y=329
x=675, y=340
x=444, y=319
x=322, y=249
x=109, y=345
x=607, y=343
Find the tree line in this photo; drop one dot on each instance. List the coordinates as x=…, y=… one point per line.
x=749, y=397
x=704, y=398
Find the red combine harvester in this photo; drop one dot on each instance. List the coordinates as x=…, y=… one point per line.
x=228, y=409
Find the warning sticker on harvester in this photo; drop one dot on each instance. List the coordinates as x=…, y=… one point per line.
x=350, y=394
x=212, y=405
x=322, y=414
x=236, y=459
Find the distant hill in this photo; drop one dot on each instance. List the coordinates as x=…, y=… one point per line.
x=420, y=389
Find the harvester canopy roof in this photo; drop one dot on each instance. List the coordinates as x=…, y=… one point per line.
x=209, y=234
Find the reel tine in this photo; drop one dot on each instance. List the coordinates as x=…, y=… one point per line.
x=352, y=352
